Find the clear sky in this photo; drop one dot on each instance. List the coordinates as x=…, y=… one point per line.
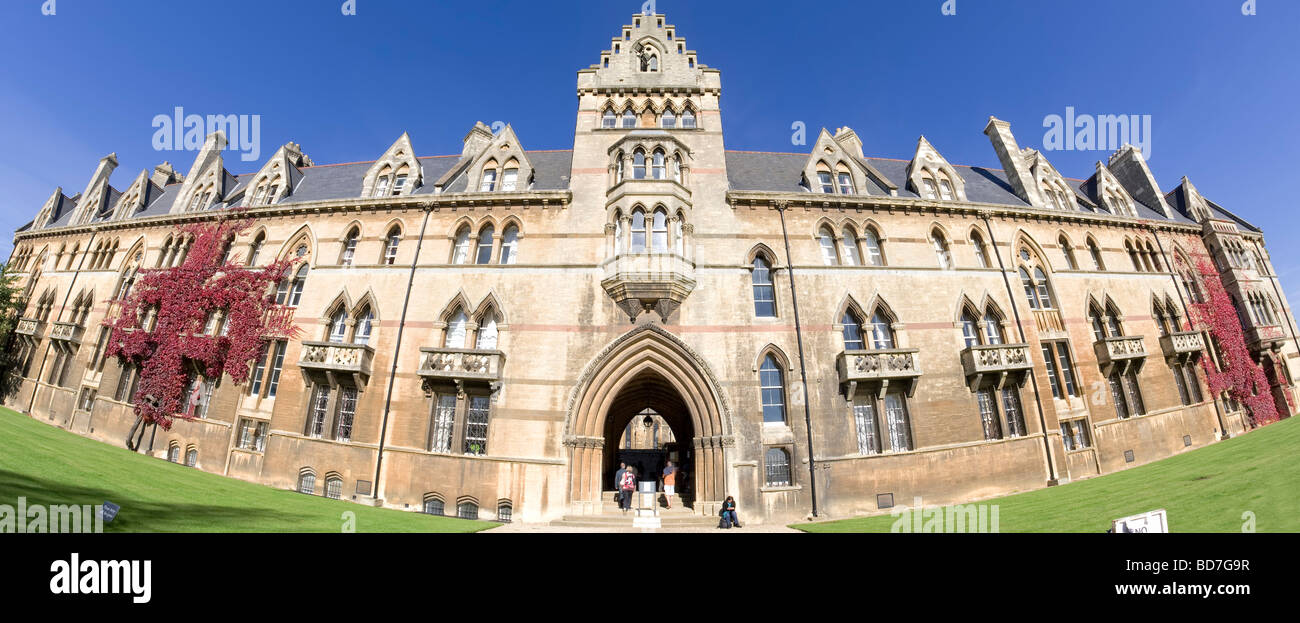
x=1220, y=87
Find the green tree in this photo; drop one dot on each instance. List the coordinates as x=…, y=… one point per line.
x=12, y=303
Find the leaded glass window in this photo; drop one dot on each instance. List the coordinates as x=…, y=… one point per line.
x=476, y=425
x=307, y=483
x=433, y=506
x=319, y=413
x=444, y=419
x=334, y=488
x=777, y=467
x=989, y=414
x=864, y=415
x=467, y=510
x=1011, y=408
x=276, y=365
x=347, y=413
x=900, y=432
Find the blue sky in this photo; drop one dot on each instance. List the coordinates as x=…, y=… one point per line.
x=1220, y=87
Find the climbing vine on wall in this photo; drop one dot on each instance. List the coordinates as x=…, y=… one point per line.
x=161, y=325
x=1240, y=377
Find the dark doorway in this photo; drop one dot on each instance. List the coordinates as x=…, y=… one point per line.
x=648, y=425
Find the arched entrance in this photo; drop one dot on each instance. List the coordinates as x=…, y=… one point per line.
x=646, y=396
x=648, y=368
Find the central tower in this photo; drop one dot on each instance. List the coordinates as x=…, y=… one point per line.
x=647, y=159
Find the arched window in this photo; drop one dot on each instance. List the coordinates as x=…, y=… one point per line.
x=609, y=120
x=629, y=119
x=852, y=332
x=970, y=332
x=390, y=248
x=638, y=164
x=764, y=292
x=824, y=178
x=306, y=483
x=467, y=510
x=510, y=177
x=163, y=254
x=460, y=253
x=777, y=467
x=945, y=188
x=338, y=326
x=882, y=331
x=826, y=238
x=875, y=255
x=849, y=244
x=381, y=185
x=638, y=231
x=992, y=329
x=334, y=487
x=1044, y=294
x=677, y=167
x=350, y=247
x=510, y=245
x=456, y=330
x=489, y=183
x=928, y=188
x=487, y=332
x=660, y=171
x=679, y=236
x=1096, y=255
x=659, y=235
x=669, y=118
x=1068, y=252
x=485, y=241
x=1030, y=290
x=365, y=325
x=772, y=384
x=1133, y=256
x=174, y=453
x=618, y=232
x=255, y=249
x=845, y=179
x=981, y=254
x=941, y=249
x=290, y=291
x=618, y=168
x=434, y=506
x=688, y=119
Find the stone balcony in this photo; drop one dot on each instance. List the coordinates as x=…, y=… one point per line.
x=1001, y=362
x=1268, y=337
x=641, y=282
x=334, y=360
x=878, y=367
x=29, y=327
x=1184, y=345
x=456, y=365
x=66, y=332
x=1121, y=352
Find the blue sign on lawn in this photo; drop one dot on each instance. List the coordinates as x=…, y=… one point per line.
x=110, y=511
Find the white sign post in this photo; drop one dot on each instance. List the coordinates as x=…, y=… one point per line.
x=1156, y=522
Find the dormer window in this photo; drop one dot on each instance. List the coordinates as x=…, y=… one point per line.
x=929, y=190
x=845, y=180
x=400, y=184
x=489, y=180
x=259, y=195
x=510, y=178
x=945, y=190
x=271, y=194
x=381, y=188
x=825, y=179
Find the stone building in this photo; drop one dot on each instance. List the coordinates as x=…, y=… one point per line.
x=823, y=329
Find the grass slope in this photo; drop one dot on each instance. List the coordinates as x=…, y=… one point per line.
x=51, y=466
x=1207, y=490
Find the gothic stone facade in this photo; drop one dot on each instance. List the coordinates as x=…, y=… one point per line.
x=478, y=329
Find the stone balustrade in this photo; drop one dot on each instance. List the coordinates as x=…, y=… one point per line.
x=454, y=364
x=66, y=332
x=327, y=357
x=1183, y=344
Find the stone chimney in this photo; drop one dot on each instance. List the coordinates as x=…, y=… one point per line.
x=164, y=174
x=477, y=140
x=848, y=139
x=1130, y=168
x=1013, y=161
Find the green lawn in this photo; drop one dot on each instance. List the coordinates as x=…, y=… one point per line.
x=1207, y=490
x=51, y=466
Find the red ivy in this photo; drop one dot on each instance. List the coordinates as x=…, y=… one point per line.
x=1241, y=377
x=183, y=298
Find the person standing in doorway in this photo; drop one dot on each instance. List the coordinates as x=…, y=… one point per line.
x=618, y=485
x=670, y=484
x=625, y=488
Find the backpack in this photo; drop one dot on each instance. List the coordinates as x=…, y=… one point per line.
x=724, y=523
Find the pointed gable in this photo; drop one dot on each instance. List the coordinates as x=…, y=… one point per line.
x=1130, y=168
x=1110, y=194
x=56, y=206
x=208, y=180
x=1050, y=183
x=1189, y=201
x=277, y=178
x=828, y=161
x=927, y=168
x=137, y=197
x=502, y=166
x=397, y=172
x=95, y=200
